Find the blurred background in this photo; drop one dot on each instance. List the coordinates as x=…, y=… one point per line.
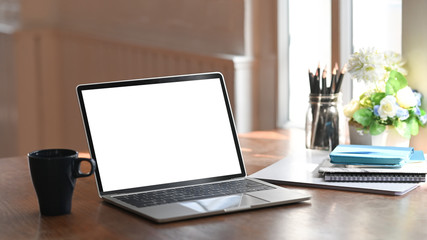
x=263, y=48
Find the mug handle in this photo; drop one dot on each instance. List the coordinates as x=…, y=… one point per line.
x=78, y=173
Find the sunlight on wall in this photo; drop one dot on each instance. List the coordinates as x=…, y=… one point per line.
x=376, y=24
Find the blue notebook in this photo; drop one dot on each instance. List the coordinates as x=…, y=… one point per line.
x=371, y=155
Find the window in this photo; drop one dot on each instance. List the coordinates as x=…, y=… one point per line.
x=309, y=46
x=306, y=28
x=384, y=31
x=377, y=24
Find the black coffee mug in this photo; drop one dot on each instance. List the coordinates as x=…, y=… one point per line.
x=54, y=173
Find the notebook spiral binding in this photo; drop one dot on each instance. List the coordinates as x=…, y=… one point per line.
x=360, y=177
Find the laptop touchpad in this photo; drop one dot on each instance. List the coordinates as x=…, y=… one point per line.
x=237, y=201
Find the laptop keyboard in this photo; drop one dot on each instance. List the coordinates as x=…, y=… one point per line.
x=192, y=193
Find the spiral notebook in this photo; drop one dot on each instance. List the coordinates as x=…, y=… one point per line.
x=414, y=170
x=302, y=169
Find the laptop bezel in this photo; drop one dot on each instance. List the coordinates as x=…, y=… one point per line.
x=159, y=80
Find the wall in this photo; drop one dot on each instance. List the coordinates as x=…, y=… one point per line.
x=202, y=26
x=9, y=19
x=414, y=50
x=8, y=104
x=232, y=29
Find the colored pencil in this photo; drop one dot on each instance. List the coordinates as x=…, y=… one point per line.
x=334, y=79
x=324, y=91
x=339, y=82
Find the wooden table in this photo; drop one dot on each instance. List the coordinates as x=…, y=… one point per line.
x=330, y=214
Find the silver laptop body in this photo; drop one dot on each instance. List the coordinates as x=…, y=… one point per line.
x=150, y=136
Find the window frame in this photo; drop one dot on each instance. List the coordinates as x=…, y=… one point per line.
x=341, y=50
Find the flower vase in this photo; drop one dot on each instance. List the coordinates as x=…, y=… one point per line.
x=390, y=137
x=359, y=136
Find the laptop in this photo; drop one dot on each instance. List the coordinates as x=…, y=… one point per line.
x=166, y=148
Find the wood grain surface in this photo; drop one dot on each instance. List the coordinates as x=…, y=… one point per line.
x=330, y=214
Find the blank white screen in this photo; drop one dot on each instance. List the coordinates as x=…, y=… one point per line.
x=160, y=133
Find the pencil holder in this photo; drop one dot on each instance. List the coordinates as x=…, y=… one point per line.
x=325, y=122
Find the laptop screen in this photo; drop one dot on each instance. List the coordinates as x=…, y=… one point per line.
x=146, y=133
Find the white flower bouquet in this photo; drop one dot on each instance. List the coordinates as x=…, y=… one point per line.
x=373, y=67
x=389, y=101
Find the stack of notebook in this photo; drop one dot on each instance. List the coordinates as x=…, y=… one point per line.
x=362, y=163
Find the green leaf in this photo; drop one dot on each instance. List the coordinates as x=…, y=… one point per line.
x=376, y=128
x=363, y=116
x=403, y=128
x=377, y=97
x=422, y=112
x=365, y=100
x=420, y=123
x=413, y=125
x=395, y=82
